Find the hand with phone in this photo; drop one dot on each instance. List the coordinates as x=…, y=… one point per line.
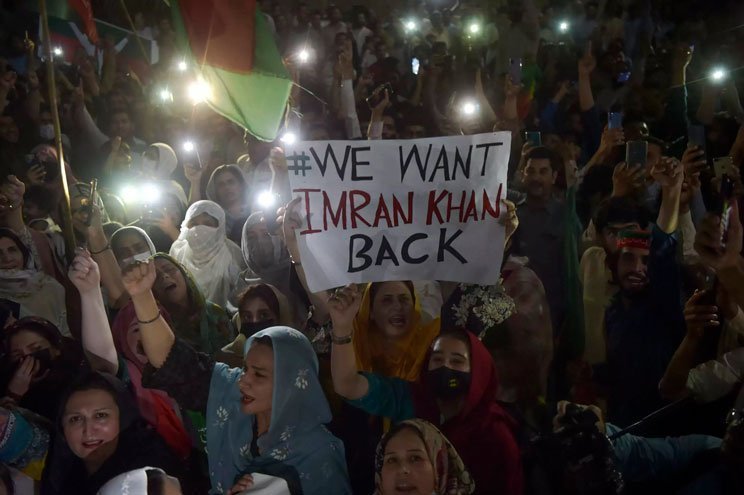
x=627, y=180
x=587, y=63
x=693, y=161
x=610, y=139
x=668, y=172
x=701, y=313
x=636, y=154
x=710, y=246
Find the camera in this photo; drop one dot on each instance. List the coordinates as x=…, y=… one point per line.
x=578, y=458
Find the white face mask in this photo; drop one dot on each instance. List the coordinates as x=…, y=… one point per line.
x=149, y=166
x=201, y=237
x=137, y=257
x=46, y=132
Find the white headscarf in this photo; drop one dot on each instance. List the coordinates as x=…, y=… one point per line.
x=164, y=166
x=213, y=260
x=129, y=483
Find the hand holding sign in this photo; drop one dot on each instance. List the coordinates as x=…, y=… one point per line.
x=343, y=305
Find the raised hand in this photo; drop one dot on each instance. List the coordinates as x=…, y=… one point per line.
x=708, y=240
x=139, y=277
x=510, y=221
x=343, y=305
x=290, y=220
x=699, y=316
x=36, y=175
x=193, y=174
x=611, y=138
x=11, y=194
x=668, y=172
x=278, y=161
x=626, y=180
x=84, y=273
x=693, y=160
x=587, y=63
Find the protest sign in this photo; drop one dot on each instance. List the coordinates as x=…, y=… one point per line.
x=425, y=209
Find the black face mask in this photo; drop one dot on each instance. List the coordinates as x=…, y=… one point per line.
x=447, y=383
x=249, y=329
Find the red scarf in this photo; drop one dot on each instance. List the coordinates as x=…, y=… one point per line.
x=156, y=406
x=482, y=432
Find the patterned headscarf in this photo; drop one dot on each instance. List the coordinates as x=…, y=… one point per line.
x=451, y=476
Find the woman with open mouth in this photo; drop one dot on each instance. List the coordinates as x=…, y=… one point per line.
x=265, y=422
x=415, y=458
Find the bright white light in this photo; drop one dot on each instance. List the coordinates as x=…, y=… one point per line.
x=718, y=74
x=469, y=108
x=410, y=25
x=150, y=193
x=182, y=65
x=289, y=138
x=266, y=199
x=129, y=194
x=474, y=28
x=199, y=91
x=188, y=146
x=166, y=95
x=563, y=26
x=303, y=56
x=57, y=50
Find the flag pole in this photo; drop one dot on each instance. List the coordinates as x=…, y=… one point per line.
x=69, y=235
x=134, y=30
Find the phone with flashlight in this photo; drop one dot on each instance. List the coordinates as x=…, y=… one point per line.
x=615, y=120
x=720, y=165
x=515, y=70
x=636, y=154
x=415, y=64
x=696, y=136
x=534, y=138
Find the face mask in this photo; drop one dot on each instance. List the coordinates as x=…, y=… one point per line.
x=201, y=237
x=447, y=383
x=254, y=327
x=149, y=166
x=46, y=132
x=137, y=257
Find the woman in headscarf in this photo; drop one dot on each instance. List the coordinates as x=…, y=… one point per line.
x=38, y=364
x=456, y=390
x=24, y=441
x=227, y=188
x=123, y=356
x=265, y=422
x=213, y=260
x=100, y=434
x=260, y=306
x=197, y=320
x=415, y=456
x=20, y=281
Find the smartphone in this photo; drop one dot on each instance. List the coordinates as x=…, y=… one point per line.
x=533, y=137
x=623, y=77
x=696, y=136
x=415, y=64
x=378, y=94
x=615, y=120
x=91, y=200
x=720, y=165
x=515, y=70
x=151, y=213
x=636, y=153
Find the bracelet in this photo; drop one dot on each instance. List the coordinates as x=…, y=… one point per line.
x=105, y=248
x=149, y=321
x=341, y=340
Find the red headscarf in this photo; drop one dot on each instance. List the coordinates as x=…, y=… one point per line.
x=155, y=406
x=482, y=432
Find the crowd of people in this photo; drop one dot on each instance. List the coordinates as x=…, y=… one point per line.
x=174, y=346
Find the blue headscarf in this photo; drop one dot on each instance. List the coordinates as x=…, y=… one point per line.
x=297, y=447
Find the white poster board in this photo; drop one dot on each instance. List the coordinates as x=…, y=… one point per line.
x=381, y=210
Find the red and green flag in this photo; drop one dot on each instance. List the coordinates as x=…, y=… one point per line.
x=78, y=11
x=236, y=55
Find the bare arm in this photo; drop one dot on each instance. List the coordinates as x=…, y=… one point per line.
x=108, y=267
x=586, y=67
x=347, y=381
x=669, y=173
x=157, y=336
x=97, y=340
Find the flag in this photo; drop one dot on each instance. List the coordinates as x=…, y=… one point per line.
x=235, y=54
x=77, y=11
